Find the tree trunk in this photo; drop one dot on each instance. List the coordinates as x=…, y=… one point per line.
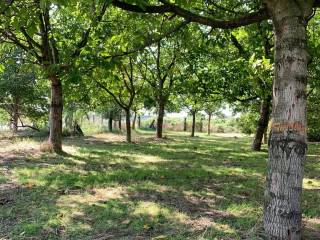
x=262, y=124
x=201, y=125
x=128, y=127
x=15, y=115
x=110, y=122
x=287, y=141
x=120, y=121
x=139, y=121
x=160, y=119
x=209, y=124
x=55, y=137
x=152, y=124
x=185, y=125
x=265, y=135
x=193, y=123
x=134, y=120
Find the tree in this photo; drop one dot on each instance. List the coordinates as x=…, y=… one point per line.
x=22, y=96
x=32, y=26
x=259, y=73
x=160, y=64
x=124, y=88
x=211, y=107
x=287, y=144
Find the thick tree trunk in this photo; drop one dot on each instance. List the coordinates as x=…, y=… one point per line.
x=128, y=126
x=110, y=123
x=185, y=125
x=193, y=128
x=134, y=120
x=262, y=124
x=55, y=137
x=15, y=115
x=139, y=121
x=160, y=119
x=287, y=141
x=209, y=124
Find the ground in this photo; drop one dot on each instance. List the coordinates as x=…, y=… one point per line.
x=177, y=188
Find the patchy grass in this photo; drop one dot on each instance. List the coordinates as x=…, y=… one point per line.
x=177, y=188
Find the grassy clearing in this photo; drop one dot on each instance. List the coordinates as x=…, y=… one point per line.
x=178, y=188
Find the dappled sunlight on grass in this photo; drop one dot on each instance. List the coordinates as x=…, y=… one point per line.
x=178, y=188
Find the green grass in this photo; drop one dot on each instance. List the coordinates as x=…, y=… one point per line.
x=178, y=188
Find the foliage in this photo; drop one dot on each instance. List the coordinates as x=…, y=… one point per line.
x=247, y=122
x=21, y=87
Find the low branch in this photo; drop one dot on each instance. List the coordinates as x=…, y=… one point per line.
x=31, y=127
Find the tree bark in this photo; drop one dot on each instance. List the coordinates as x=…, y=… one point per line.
x=193, y=128
x=262, y=124
x=160, y=119
x=128, y=125
x=55, y=137
x=209, y=124
x=134, y=120
x=185, y=125
x=287, y=141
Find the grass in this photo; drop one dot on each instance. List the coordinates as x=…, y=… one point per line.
x=177, y=188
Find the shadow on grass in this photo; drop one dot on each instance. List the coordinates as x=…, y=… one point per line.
x=180, y=188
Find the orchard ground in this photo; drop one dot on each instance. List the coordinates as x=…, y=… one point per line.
x=176, y=188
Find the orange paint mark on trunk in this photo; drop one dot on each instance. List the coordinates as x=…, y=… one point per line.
x=282, y=126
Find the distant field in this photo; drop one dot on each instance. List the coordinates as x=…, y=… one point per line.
x=178, y=188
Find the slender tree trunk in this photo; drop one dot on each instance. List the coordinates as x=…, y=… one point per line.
x=152, y=124
x=209, y=124
x=110, y=122
x=134, y=120
x=128, y=127
x=160, y=119
x=120, y=118
x=262, y=124
x=287, y=141
x=265, y=135
x=193, y=128
x=55, y=137
x=201, y=125
x=15, y=115
x=139, y=121
x=185, y=125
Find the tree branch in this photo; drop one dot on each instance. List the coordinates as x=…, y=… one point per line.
x=151, y=41
x=166, y=7
x=85, y=36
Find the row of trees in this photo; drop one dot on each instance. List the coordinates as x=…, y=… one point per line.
x=147, y=53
